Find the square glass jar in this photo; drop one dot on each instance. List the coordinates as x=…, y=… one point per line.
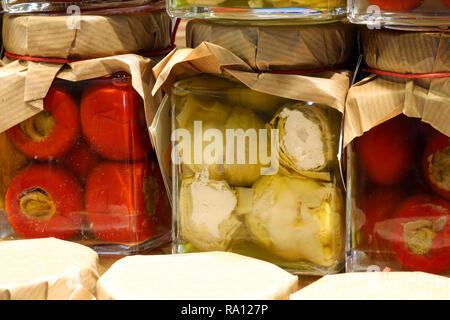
x=83, y=170
x=241, y=185
x=398, y=198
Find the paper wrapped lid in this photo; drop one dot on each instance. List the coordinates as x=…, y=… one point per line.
x=86, y=36
x=328, y=88
x=376, y=99
x=377, y=286
x=26, y=83
x=194, y=276
x=289, y=47
x=406, y=51
x=47, y=269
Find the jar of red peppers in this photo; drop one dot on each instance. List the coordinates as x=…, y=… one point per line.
x=415, y=13
x=397, y=133
x=400, y=204
x=83, y=168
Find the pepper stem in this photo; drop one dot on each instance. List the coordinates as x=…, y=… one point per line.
x=39, y=126
x=35, y=203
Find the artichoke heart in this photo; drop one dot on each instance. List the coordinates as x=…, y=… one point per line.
x=242, y=121
x=229, y=141
x=261, y=102
x=306, y=141
x=194, y=109
x=297, y=218
x=207, y=213
x=211, y=116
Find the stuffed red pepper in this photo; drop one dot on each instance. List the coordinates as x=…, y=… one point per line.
x=52, y=132
x=124, y=201
x=421, y=234
x=81, y=160
x=113, y=120
x=44, y=201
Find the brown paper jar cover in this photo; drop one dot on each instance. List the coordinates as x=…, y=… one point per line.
x=92, y=36
x=26, y=83
x=287, y=47
x=376, y=99
x=406, y=51
x=328, y=88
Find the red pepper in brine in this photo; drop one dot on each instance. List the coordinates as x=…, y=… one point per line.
x=113, y=120
x=44, y=201
x=81, y=160
x=386, y=152
x=421, y=234
x=379, y=205
x=52, y=132
x=124, y=202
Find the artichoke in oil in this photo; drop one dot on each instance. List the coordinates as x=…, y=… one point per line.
x=208, y=218
x=227, y=140
x=248, y=170
x=260, y=102
x=226, y=199
x=297, y=218
x=196, y=117
x=307, y=141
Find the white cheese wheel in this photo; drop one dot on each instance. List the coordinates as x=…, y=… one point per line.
x=207, y=275
x=377, y=286
x=47, y=269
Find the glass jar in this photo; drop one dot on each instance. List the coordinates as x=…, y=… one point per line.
x=307, y=11
x=74, y=6
x=398, y=195
x=83, y=170
x=377, y=13
x=256, y=174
